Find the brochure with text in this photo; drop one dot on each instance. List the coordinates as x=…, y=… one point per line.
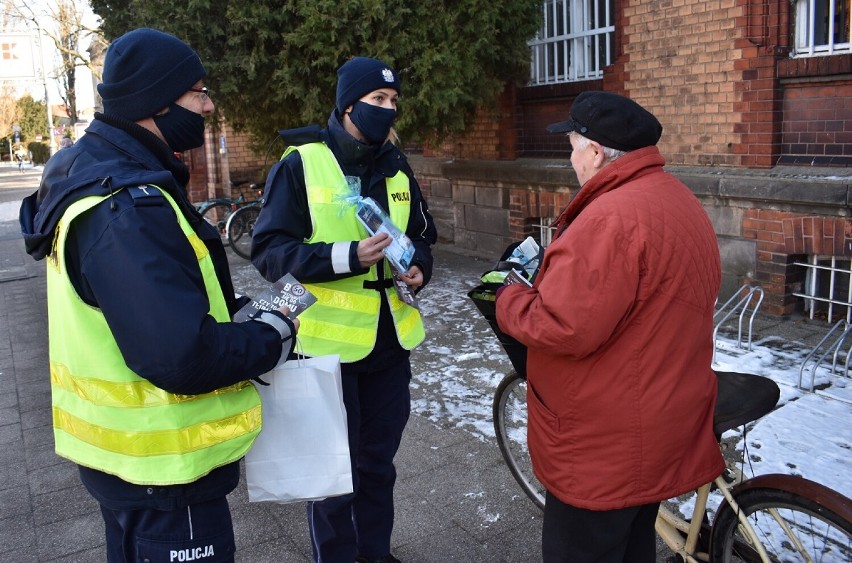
x=286, y=291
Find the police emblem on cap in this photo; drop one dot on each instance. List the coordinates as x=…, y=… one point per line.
x=387, y=74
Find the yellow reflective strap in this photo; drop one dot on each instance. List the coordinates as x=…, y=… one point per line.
x=408, y=321
x=139, y=393
x=345, y=299
x=159, y=442
x=151, y=470
x=332, y=331
x=197, y=245
x=327, y=195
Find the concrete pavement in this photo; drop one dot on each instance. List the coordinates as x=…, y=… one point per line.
x=455, y=498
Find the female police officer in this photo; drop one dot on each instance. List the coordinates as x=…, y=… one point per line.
x=308, y=227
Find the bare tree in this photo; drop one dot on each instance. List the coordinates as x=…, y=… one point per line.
x=62, y=22
x=8, y=109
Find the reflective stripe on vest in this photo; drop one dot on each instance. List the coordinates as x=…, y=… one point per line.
x=345, y=318
x=108, y=418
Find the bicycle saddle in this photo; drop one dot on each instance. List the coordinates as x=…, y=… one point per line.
x=742, y=397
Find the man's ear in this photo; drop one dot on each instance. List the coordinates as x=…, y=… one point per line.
x=600, y=157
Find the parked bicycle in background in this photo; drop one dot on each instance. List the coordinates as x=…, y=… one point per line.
x=240, y=228
x=217, y=210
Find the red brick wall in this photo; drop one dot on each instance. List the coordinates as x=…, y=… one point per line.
x=244, y=162
x=683, y=67
x=542, y=105
x=818, y=123
x=211, y=171
x=197, y=164
x=718, y=76
x=493, y=135
x=784, y=238
x=526, y=207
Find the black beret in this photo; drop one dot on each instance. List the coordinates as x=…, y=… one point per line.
x=611, y=120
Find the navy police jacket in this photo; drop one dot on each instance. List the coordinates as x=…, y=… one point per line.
x=129, y=258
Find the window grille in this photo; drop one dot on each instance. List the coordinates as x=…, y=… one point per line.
x=575, y=41
x=828, y=287
x=823, y=27
x=545, y=231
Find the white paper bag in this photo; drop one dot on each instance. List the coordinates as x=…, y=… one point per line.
x=302, y=452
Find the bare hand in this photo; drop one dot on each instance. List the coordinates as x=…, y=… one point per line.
x=370, y=249
x=413, y=278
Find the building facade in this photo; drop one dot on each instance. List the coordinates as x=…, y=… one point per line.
x=755, y=98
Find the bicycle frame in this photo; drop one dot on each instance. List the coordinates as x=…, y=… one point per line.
x=208, y=202
x=669, y=525
x=671, y=529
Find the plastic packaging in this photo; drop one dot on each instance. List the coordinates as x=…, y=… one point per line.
x=401, y=250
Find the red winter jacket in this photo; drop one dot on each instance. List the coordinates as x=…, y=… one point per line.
x=619, y=326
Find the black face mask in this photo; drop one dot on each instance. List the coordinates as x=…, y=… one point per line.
x=182, y=129
x=373, y=122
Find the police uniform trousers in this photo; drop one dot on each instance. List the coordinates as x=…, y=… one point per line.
x=378, y=404
x=199, y=532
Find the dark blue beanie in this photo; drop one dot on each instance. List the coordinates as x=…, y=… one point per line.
x=145, y=70
x=360, y=76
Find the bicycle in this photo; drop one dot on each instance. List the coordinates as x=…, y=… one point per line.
x=217, y=210
x=767, y=518
x=240, y=228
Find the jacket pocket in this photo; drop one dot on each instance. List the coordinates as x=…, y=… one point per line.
x=543, y=414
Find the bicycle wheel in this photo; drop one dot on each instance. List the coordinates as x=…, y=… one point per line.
x=510, y=426
x=793, y=518
x=217, y=215
x=240, y=229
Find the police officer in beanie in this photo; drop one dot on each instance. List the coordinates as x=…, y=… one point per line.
x=149, y=378
x=308, y=227
x=619, y=327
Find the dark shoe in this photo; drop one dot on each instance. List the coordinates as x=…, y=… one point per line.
x=386, y=559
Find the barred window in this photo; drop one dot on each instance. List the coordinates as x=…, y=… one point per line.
x=575, y=42
x=828, y=287
x=822, y=27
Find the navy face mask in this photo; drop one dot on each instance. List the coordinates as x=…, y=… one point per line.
x=373, y=122
x=183, y=129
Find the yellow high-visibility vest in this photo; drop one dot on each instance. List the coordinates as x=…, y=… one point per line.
x=108, y=418
x=345, y=318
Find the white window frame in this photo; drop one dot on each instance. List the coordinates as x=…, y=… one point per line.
x=545, y=231
x=806, y=42
x=570, y=43
x=835, y=301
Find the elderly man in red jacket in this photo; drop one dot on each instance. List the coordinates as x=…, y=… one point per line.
x=619, y=327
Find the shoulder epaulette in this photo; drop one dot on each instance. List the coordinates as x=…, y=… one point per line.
x=147, y=195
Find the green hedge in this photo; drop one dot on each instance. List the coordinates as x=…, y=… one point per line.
x=40, y=152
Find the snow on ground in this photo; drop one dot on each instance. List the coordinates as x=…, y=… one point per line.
x=808, y=434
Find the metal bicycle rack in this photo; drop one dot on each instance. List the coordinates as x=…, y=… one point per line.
x=834, y=349
x=739, y=301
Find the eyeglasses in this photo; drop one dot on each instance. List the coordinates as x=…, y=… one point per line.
x=204, y=91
